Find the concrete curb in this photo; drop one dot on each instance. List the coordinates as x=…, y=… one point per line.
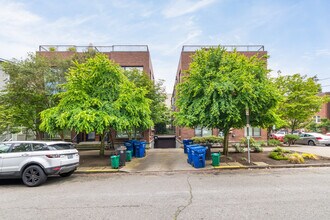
x=93, y=171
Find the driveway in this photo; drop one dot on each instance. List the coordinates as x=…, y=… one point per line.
x=161, y=160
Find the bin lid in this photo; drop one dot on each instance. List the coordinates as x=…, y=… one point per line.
x=121, y=148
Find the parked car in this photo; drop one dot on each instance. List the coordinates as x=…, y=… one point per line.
x=33, y=161
x=313, y=139
x=279, y=135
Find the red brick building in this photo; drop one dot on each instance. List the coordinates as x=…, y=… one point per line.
x=184, y=62
x=324, y=112
x=127, y=56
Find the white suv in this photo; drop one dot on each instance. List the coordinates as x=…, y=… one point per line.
x=33, y=161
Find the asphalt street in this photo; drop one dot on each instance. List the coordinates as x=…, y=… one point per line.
x=240, y=194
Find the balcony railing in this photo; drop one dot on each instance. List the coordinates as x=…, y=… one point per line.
x=102, y=49
x=250, y=48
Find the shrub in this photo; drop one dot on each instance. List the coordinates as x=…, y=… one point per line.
x=296, y=158
x=309, y=156
x=277, y=155
x=290, y=138
x=262, y=143
x=280, y=150
x=52, y=49
x=72, y=49
x=207, y=140
x=244, y=141
x=274, y=142
x=257, y=148
x=238, y=148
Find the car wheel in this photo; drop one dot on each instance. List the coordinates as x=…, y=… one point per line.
x=311, y=143
x=33, y=176
x=66, y=174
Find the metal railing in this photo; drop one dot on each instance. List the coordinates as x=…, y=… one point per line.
x=102, y=49
x=249, y=48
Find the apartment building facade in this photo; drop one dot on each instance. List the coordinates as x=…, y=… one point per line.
x=127, y=56
x=185, y=59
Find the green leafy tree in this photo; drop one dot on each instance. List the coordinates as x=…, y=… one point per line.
x=300, y=99
x=155, y=92
x=97, y=97
x=220, y=87
x=30, y=90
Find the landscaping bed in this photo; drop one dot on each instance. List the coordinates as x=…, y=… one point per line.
x=263, y=157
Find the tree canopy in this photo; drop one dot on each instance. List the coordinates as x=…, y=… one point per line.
x=300, y=99
x=218, y=89
x=97, y=97
x=29, y=91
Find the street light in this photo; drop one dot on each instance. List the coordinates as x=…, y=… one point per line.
x=248, y=132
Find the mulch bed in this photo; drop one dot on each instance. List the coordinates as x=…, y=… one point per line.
x=263, y=157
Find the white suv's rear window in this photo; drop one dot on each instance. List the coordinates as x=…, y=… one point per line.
x=60, y=146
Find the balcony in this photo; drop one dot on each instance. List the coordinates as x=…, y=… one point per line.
x=245, y=48
x=101, y=49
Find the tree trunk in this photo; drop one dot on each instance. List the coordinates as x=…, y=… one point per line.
x=269, y=129
x=225, y=142
x=111, y=139
x=62, y=135
x=38, y=135
x=102, y=144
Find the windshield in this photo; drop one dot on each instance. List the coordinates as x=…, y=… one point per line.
x=61, y=146
x=4, y=147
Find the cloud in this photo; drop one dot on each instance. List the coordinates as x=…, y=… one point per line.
x=178, y=8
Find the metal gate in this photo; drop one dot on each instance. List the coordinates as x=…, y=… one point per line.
x=164, y=142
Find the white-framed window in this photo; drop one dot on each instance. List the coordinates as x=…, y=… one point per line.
x=123, y=134
x=253, y=131
x=140, y=68
x=317, y=119
x=202, y=132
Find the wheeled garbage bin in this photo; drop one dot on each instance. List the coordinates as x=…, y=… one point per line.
x=189, y=151
x=198, y=157
x=215, y=159
x=186, y=142
x=121, y=151
x=114, y=160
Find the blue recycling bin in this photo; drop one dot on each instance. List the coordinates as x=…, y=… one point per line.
x=189, y=151
x=198, y=157
x=185, y=143
x=139, y=149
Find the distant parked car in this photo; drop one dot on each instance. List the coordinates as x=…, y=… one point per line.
x=33, y=161
x=313, y=139
x=279, y=135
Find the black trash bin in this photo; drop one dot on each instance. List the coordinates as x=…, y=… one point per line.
x=208, y=151
x=121, y=151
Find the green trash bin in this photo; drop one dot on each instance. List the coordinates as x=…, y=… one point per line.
x=115, y=161
x=128, y=155
x=215, y=159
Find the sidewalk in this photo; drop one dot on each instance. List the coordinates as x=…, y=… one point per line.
x=170, y=160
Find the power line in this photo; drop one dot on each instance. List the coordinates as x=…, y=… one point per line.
x=323, y=79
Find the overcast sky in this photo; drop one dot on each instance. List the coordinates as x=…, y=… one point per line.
x=296, y=34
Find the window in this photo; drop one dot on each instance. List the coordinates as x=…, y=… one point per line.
x=23, y=147
x=202, y=132
x=4, y=148
x=122, y=134
x=91, y=136
x=317, y=119
x=140, y=68
x=254, y=132
x=39, y=147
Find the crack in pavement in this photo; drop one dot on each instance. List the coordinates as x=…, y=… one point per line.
x=181, y=207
